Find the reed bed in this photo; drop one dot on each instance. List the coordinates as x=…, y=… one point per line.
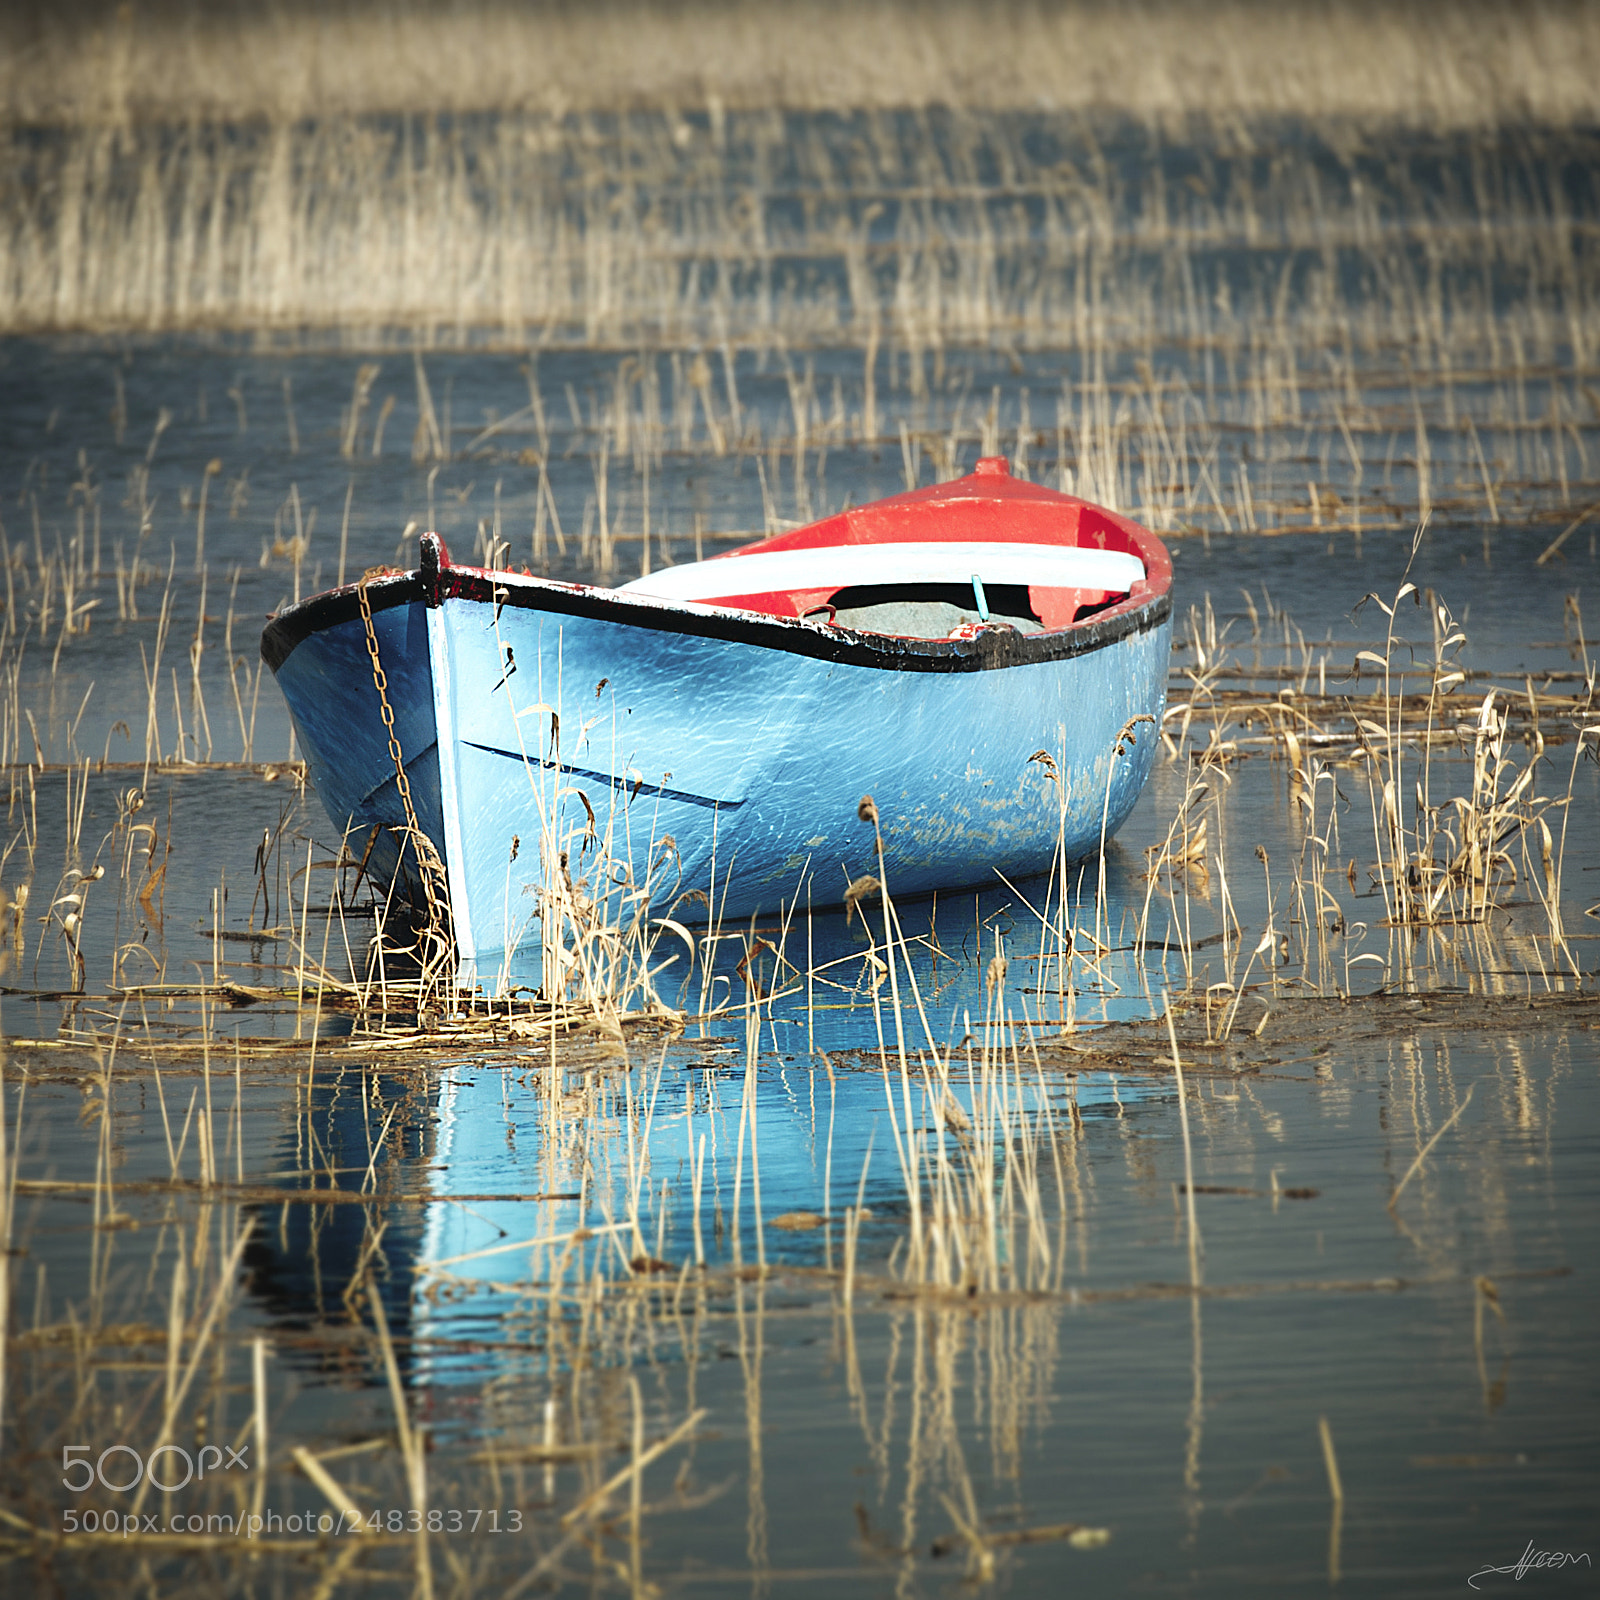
x=1165, y=62
x=157, y=1349
x=1459, y=831
x=616, y=484
x=916, y=231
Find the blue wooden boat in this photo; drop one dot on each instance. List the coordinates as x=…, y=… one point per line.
x=694, y=745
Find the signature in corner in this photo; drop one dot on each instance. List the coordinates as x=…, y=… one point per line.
x=1530, y=1559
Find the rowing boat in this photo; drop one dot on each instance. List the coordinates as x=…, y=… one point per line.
x=986, y=658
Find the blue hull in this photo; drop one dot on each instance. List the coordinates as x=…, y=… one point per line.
x=690, y=761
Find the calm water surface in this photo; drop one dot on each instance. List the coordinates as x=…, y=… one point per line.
x=1447, y=1343
x=1185, y=1426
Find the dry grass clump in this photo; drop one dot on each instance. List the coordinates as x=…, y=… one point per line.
x=1478, y=64
x=1468, y=787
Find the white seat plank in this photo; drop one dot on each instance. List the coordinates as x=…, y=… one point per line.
x=852, y=565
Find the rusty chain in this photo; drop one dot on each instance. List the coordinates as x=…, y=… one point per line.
x=430, y=868
x=381, y=683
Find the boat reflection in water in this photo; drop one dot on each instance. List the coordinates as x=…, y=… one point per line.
x=640, y=1134
x=475, y=1159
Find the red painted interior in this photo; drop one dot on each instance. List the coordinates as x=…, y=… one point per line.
x=986, y=505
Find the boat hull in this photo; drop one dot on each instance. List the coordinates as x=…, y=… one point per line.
x=707, y=761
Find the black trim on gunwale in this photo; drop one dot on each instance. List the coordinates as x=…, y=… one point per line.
x=991, y=649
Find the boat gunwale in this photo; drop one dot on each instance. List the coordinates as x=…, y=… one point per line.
x=989, y=649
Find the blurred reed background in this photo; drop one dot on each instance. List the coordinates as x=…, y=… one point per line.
x=1472, y=64
x=623, y=173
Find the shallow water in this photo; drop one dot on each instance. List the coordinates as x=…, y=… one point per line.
x=1446, y=1342
x=108, y=480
